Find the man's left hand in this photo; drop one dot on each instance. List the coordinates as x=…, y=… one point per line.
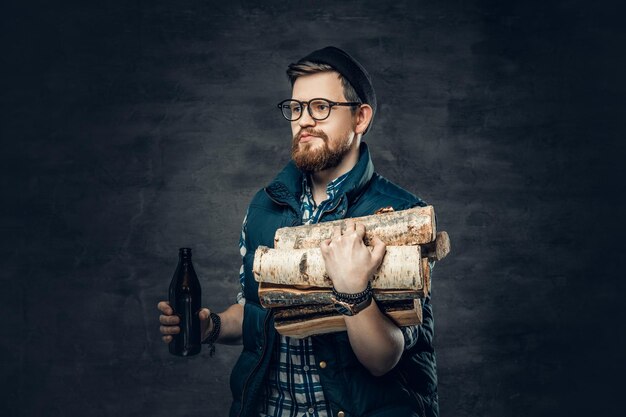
x=349, y=263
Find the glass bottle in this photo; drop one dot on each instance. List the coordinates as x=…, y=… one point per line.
x=185, y=297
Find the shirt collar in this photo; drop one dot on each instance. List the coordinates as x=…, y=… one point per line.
x=331, y=188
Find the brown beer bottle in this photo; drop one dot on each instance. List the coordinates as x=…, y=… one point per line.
x=185, y=298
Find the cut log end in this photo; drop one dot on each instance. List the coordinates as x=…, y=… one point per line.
x=437, y=249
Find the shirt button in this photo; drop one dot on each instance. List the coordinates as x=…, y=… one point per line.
x=322, y=364
x=311, y=410
x=305, y=368
x=341, y=414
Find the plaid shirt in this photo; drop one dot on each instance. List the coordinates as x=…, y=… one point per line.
x=293, y=388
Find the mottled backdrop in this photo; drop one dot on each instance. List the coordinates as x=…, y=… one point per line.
x=132, y=129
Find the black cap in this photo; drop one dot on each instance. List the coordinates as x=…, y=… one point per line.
x=351, y=69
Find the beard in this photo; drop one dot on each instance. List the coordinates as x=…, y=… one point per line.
x=310, y=157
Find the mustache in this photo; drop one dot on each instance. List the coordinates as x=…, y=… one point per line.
x=311, y=132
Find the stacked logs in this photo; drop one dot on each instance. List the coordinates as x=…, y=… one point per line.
x=293, y=281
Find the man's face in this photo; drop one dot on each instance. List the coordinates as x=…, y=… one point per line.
x=321, y=144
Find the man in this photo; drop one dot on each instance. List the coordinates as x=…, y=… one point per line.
x=374, y=368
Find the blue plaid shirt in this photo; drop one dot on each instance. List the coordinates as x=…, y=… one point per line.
x=293, y=388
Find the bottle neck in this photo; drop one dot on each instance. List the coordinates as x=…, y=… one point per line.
x=184, y=255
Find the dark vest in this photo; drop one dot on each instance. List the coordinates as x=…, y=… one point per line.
x=410, y=389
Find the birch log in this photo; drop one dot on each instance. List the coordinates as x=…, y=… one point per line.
x=426, y=276
x=437, y=249
x=397, y=228
x=274, y=296
x=408, y=315
x=400, y=269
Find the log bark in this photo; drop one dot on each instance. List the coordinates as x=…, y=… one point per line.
x=437, y=249
x=400, y=269
x=312, y=311
x=275, y=296
x=408, y=315
x=398, y=228
x=426, y=275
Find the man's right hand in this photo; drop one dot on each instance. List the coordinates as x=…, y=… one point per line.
x=169, y=322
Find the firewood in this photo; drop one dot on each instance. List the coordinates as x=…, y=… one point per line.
x=273, y=295
x=397, y=228
x=426, y=276
x=312, y=311
x=408, y=314
x=437, y=249
x=400, y=268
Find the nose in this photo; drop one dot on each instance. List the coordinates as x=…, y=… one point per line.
x=306, y=120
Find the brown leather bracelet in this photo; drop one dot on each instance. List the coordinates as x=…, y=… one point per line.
x=354, y=298
x=215, y=333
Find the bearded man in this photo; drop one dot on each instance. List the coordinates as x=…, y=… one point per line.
x=374, y=368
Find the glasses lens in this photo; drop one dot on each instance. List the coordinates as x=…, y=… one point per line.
x=320, y=109
x=291, y=109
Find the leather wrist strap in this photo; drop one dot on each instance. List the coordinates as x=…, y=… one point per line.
x=215, y=333
x=354, y=298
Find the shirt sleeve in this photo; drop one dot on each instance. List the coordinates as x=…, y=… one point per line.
x=243, y=249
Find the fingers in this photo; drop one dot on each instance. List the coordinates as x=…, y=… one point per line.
x=360, y=231
x=166, y=330
x=378, y=252
x=168, y=321
x=165, y=308
x=324, y=246
x=350, y=227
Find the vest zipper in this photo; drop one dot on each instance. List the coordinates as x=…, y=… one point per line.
x=257, y=366
x=333, y=208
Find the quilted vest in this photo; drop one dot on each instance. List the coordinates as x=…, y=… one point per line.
x=410, y=389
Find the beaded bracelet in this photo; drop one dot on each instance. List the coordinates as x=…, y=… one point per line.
x=215, y=333
x=354, y=298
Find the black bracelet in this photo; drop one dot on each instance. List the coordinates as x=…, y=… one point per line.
x=354, y=298
x=215, y=333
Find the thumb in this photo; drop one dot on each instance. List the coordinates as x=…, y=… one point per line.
x=204, y=314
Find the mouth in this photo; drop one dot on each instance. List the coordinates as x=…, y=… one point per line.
x=304, y=138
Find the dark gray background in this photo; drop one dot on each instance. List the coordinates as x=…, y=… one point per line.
x=132, y=129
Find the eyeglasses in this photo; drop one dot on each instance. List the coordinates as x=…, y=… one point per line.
x=319, y=108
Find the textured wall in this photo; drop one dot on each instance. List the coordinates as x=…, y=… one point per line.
x=131, y=130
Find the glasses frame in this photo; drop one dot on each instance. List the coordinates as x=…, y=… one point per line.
x=331, y=104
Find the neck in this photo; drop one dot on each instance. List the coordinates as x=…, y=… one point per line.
x=321, y=179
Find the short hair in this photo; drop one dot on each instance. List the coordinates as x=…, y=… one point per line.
x=307, y=67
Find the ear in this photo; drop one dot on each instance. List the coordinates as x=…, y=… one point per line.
x=363, y=118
